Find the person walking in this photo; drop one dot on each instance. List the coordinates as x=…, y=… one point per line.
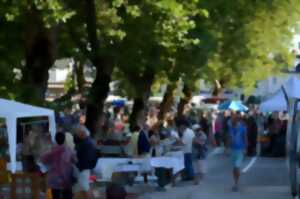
x=217, y=129
x=59, y=162
x=199, y=153
x=225, y=132
x=87, y=159
x=252, y=134
x=238, y=141
x=187, y=135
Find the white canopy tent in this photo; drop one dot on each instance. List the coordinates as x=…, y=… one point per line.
x=11, y=111
x=155, y=99
x=112, y=98
x=278, y=102
x=292, y=86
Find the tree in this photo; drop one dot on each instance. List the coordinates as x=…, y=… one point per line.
x=166, y=25
x=240, y=43
x=253, y=40
x=243, y=43
x=11, y=56
x=168, y=100
x=232, y=42
x=93, y=32
x=36, y=19
x=188, y=62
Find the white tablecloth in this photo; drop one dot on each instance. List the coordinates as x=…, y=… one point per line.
x=106, y=166
x=174, y=160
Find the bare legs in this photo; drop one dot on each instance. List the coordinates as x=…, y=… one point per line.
x=198, y=178
x=236, y=177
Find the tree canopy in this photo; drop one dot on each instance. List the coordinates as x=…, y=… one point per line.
x=254, y=39
x=144, y=43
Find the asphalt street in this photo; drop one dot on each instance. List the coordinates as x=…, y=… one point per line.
x=263, y=178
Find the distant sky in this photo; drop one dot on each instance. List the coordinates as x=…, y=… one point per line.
x=296, y=41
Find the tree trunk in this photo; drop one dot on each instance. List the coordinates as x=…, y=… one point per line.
x=218, y=88
x=40, y=57
x=80, y=83
x=187, y=92
x=137, y=111
x=143, y=89
x=80, y=80
x=167, y=102
x=104, y=66
x=98, y=93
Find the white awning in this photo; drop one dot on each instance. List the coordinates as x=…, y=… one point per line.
x=11, y=111
x=292, y=86
x=278, y=102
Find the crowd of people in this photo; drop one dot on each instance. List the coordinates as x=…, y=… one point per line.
x=70, y=160
x=195, y=133
x=68, y=163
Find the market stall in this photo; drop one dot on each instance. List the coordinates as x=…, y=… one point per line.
x=291, y=92
x=107, y=166
x=287, y=99
x=276, y=102
x=11, y=111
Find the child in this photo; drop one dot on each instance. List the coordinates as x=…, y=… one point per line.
x=199, y=153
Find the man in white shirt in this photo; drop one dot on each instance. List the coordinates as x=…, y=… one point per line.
x=187, y=135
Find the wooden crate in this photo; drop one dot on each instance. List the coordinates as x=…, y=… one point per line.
x=4, y=174
x=25, y=186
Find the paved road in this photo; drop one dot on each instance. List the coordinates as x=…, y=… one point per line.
x=266, y=178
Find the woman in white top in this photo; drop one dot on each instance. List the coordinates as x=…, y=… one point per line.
x=132, y=147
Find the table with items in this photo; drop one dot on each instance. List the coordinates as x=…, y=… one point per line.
x=106, y=167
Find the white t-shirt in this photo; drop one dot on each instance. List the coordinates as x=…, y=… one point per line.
x=187, y=139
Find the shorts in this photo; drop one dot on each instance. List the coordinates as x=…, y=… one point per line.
x=199, y=166
x=237, y=157
x=83, y=181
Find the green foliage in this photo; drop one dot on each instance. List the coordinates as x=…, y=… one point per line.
x=235, y=41
x=153, y=39
x=7, y=82
x=52, y=11
x=11, y=55
x=15, y=36
x=253, y=39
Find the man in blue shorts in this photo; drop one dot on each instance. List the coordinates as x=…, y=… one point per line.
x=238, y=140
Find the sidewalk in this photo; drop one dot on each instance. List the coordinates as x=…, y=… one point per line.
x=266, y=179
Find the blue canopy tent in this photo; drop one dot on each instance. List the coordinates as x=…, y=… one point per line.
x=233, y=105
x=116, y=100
x=119, y=102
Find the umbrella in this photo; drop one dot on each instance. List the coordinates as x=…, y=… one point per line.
x=233, y=105
x=118, y=102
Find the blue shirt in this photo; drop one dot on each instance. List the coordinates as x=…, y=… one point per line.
x=237, y=135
